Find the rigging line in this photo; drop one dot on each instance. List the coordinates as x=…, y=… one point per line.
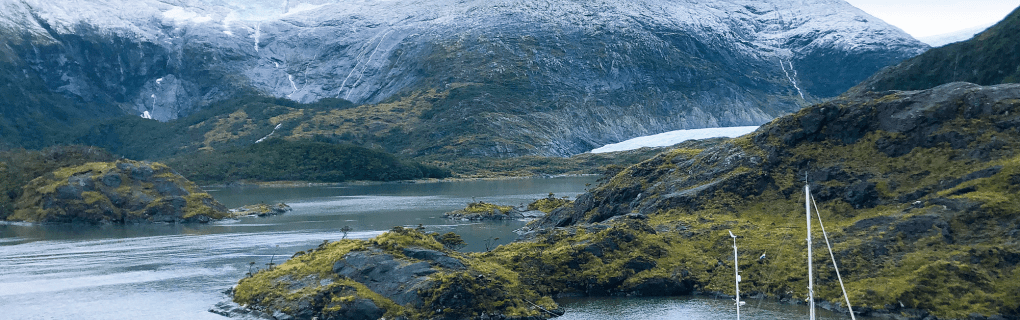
x=772, y=272
x=826, y=236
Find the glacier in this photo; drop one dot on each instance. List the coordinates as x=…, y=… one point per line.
x=575, y=74
x=670, y=138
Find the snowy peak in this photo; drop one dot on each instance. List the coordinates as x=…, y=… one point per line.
x=673, y=64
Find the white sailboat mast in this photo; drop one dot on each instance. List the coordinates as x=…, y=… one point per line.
x=736, y=272
x=811, y=281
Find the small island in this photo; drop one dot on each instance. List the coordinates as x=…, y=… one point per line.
x=122, y=191
x=400, y=274
x=485, y=211
x=260, y=210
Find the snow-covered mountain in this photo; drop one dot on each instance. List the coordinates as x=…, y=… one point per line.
x=575, y=73
x=955, y=36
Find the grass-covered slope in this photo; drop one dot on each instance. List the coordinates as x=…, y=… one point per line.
x=225, y=134
x=991, y=57
x=283, y=160
x=403, y=273
x=918, y=190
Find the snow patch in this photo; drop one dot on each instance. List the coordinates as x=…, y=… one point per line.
x=292, y=85
x=270, y=134
x=258, y=33
x=302, y=8
x=955, y=36
x=146, y=115
x=666, y=139
x=179, y=15
x=159, y=81
x=227, y=20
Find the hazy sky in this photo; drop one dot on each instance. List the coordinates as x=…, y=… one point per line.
x=922, y=18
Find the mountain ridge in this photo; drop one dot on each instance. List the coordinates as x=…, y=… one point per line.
x=575, y=74
x=990, y=57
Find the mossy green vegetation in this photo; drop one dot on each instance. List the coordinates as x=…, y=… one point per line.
x=114, y=192
x=482, y=207
x=483, y=211
x=548, y=204
x=921, y=211
x=19, y=166
x=285, y=160
x=458, y=286
x=305, y=277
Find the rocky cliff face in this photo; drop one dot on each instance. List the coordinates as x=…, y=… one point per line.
x=115, y=192
x=917, y=189
x=573, y=74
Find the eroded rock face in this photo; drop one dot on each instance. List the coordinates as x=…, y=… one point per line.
x=115, y=192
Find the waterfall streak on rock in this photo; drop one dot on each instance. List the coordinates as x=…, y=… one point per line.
x=370, y=56
x=794, y=82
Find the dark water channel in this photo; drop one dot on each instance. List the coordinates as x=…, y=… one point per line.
x=179, y=271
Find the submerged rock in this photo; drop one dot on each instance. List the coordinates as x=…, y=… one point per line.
x=115, y=192
x=401, y=274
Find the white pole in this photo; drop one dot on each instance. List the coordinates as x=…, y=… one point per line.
x=736, y=271
x=811, y=281
x=818, y=213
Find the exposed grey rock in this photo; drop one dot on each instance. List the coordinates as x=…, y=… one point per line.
x=384, y=274
x=577, y=74
x=438, y=257
x=232, y=310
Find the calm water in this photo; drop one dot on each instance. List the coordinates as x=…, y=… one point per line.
x=179, y=271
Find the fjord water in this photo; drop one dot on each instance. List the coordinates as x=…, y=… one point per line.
x=167, y=271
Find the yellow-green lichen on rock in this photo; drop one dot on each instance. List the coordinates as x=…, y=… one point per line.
x=124, y=191
x=402, y=273
x=548, y=204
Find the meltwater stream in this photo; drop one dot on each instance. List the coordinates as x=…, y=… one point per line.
x=166, y=271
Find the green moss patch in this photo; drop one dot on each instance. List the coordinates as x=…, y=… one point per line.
x=115, y=192
x=458, y=287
